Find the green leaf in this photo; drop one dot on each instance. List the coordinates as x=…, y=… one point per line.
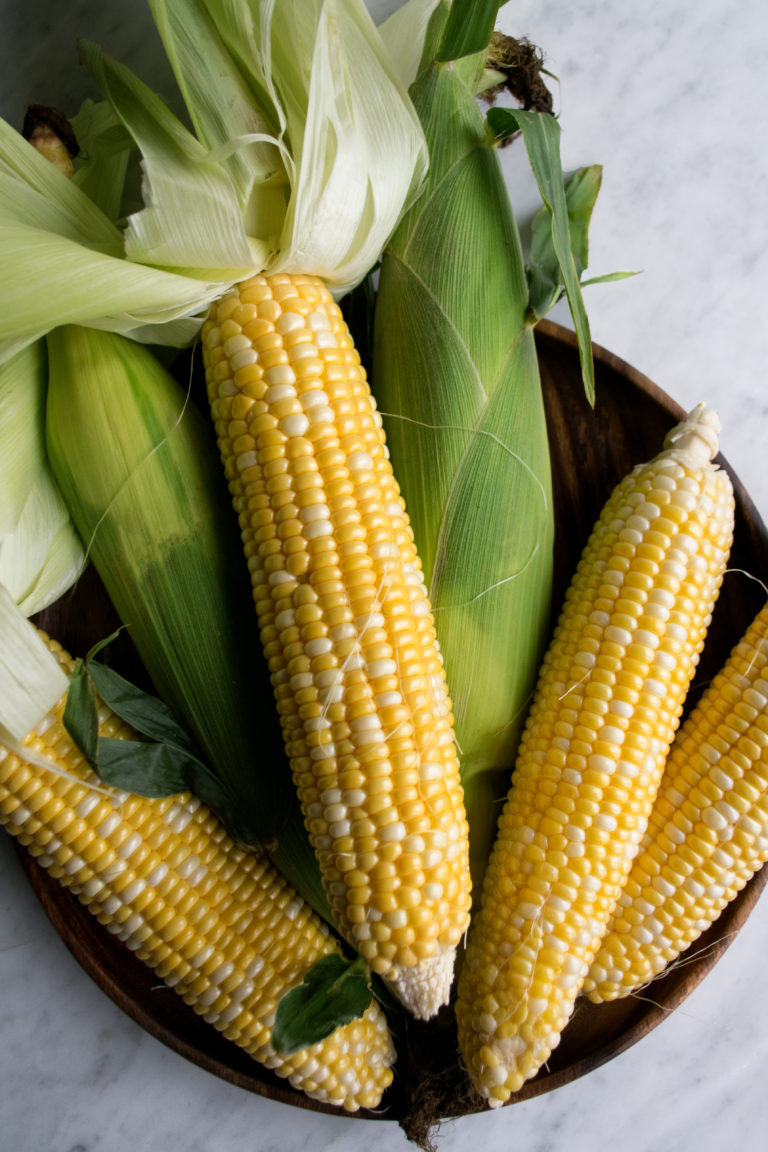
x=541, y=133
x=164, y=764
x=544, y=278
x=333, y=992
x=608, y=278
x=146, y=713
x=468, y=29
x=144, y=768
x=581, y=192
x=81, y=713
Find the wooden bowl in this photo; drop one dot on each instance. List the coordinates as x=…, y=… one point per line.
x=591, y=451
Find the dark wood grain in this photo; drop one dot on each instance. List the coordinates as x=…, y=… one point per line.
x=591, y=451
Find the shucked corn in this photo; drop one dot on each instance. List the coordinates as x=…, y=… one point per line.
x=346, y=625
x=708, y=831
x=608, y=700
x=220, y=926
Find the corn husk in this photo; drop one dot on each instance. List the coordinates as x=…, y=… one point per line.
x=31, y=679
x=305, y=146
x=456, y=378
x=41, y=554
x=136, y=464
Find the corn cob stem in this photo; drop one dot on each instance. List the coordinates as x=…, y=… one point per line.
x=346, y=625
x=220, y=926
x=708, y=831
x=606, y=707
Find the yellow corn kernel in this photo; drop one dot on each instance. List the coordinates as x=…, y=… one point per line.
x=220, y=926
x=708, y=830
x=609, y=698
x=347, y=627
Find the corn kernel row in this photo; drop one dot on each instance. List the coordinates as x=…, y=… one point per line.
x=346, y=626
x=220, y=926
x=708, y=831
x=606, y=707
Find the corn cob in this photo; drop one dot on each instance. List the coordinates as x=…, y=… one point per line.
x=220, y=926
x=346, y=625
x=606, y=707
x=708, y=831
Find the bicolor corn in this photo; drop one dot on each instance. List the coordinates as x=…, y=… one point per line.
x=346, y=625
x=219, y=925
x=606, y=707
x=708, y=831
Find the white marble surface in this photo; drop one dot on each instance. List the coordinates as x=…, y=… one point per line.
x=670, y=96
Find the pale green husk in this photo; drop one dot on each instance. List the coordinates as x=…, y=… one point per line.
x=31, y=678
x=305, y=146
x=61, y=259
x=41, y=554
x=305, y=151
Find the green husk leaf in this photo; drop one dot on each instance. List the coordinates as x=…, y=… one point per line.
x=48, y=222
x=33, y=190
x=31, y=679
x=468, y=29
x=224, y=103
x=89, y=288
x=81, y=713
x=333, y=992
x=44, y=556
x=541, y=133
x=138, y=467
x=456, y=378
x=545, y=280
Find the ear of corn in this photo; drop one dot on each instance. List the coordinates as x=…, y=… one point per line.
x=456, y=377
x=606, y=707
x=708, y=831
x=220, y=926
x=346, y=626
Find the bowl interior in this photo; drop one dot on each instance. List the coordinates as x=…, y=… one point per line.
x=591, y=450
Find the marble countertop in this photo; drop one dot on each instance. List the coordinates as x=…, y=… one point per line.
x=671, y=98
